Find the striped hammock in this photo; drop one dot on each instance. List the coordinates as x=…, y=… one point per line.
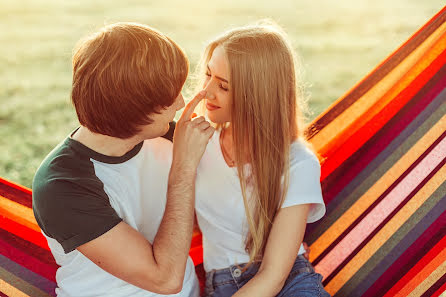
x=383, y=150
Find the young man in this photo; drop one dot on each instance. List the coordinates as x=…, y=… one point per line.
x=114, y=200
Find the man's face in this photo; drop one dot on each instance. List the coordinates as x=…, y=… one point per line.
x=161, y=120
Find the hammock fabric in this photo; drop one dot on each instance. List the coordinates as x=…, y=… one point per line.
x=383, y=154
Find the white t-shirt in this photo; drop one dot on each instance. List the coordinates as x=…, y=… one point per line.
x=131, y=188
x=220, y=208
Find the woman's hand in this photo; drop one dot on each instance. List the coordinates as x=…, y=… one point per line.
x=280, y=254
x=191, y=137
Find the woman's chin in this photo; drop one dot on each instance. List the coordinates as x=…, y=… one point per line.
x=215, y=119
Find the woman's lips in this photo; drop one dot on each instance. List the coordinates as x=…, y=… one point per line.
x=210, y=106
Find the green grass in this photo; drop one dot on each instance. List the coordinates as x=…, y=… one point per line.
x=339, y=42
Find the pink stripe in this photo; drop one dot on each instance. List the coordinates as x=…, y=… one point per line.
x=364, y=228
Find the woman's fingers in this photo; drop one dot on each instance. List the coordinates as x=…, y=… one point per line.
x=198, y=120
x=203, y=125
x=209, y=131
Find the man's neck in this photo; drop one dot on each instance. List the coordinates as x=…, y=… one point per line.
x=104, y=144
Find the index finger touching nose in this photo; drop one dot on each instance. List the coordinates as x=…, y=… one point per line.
x=189, y=109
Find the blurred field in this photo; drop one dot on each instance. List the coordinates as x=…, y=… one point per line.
x=339, y=42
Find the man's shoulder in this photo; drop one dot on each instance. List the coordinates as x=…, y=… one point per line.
x=62, y=171
x=63, y=161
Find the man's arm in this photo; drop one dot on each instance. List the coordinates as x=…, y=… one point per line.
x=160, y=268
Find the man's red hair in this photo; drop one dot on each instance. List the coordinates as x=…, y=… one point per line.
x=123, y=74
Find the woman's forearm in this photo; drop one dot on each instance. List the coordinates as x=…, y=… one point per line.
x=264, y=284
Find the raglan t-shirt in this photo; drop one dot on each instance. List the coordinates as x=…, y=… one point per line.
x=79, y=194
x=219, y=202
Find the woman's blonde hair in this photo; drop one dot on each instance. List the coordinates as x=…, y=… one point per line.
x=266, y=117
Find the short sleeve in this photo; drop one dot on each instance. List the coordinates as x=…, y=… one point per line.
x=73, y=213
x=305, y=187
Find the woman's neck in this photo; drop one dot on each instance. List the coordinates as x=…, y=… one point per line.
x=227, y=146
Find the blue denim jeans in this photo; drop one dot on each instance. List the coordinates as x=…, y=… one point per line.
x=302, y=281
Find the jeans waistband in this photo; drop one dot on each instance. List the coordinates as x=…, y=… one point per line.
x=235, y=272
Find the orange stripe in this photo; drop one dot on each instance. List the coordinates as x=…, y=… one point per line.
x=18, y=213
x=411, y=287
x=430, y=280
x=385, y=233
x=331, y=137
x=367, y=199
x=420, y=31
x=380, y=114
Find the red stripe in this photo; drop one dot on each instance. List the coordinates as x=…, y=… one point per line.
x=335, y=158
x=15, y=195
x=441, y=290
x=16, y=186
x=378, y=227
x=381, y=70
x=439, y=247
x=28, y=248
x=348, y=170
x=197, y=240
x=408, y=259
x=44, y=269
x=24, y=232
x=196, y=254
x=435, y=287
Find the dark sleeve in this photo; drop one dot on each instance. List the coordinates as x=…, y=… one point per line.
x=73, y=212
x=169, y=134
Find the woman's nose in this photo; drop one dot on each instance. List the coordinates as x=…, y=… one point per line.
x=209, y=95
x=209, y=90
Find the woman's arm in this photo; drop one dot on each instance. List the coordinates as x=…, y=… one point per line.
x=281, y=250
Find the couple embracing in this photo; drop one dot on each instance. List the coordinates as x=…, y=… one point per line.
x=116, y=199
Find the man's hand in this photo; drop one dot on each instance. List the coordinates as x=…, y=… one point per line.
x=191, y=136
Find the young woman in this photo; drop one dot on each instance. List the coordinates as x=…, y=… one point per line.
x=258, y=181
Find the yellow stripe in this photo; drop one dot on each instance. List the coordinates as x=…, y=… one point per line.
x=367, y=199
x=18, y=213
x=345, y=123
x=10, y=290
x=14, y=286
x=386, y=232
x=431, y=279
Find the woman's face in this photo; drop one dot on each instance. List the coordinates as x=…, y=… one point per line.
x=218, y=88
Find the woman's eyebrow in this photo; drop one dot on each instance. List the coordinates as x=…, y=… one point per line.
x=220, y=78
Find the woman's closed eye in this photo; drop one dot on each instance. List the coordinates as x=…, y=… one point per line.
x=220, y=85
x=223, y=88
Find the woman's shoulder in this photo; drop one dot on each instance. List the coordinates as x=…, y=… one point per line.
x=301, y=151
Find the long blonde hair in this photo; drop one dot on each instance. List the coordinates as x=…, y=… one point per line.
x=266, y=117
